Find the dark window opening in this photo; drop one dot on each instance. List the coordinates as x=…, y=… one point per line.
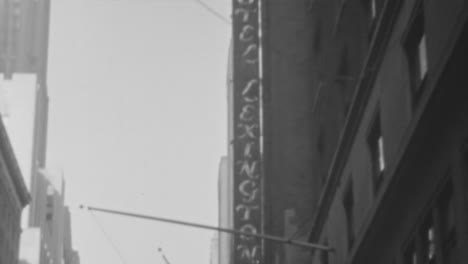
x=447, y=215
x=372, y=9
x=377, y=152
x=411, y=255
x=318, y=37
x=342, y=75
x=348, y=204
x=428, y=241
x=416, y=52
x=435, y=242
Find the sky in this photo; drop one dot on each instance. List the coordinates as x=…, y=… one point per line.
x=138, y=122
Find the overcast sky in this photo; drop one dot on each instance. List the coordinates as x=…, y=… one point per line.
x=138, y=122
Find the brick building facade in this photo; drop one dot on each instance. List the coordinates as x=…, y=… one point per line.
x=365, y=131
x=395, y=191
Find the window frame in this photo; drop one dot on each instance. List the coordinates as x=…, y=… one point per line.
x=432, y=213
x=377, y=174
x=369, y=7
x=411, y=39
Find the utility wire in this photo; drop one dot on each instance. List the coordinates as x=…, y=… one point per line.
x=163, y=256
x=213, y=12
x=109, y=240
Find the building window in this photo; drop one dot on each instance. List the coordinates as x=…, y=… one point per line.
x=377, y=151
x=447, y=222
x=416, y=51
x=372, y=9
x=318, y=37
x=435, y=242
x=49, y=206
x=428, y=241
x=411, y=255
x=348, y=204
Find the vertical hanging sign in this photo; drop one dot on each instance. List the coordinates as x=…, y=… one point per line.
x=247, y=174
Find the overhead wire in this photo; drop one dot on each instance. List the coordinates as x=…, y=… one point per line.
x=108, y=238
x=213, y=12
x=163, y=256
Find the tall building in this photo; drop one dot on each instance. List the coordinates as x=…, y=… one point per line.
x=30, y=250
x=225, y=210
x=13, y=197
x=396, y=189
x=299, y=131
x=225, y=178
x=53, y=225
x=39, y=151
x=70, y=256
x=67, y=237
x=362, y=115
x=23, y=103
x=75, y=259
x=52, y=222
x=214, y=251
x=53, y=217
x=24, y=36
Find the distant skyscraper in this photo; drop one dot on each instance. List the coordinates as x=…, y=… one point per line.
x=24, y=33
x=75, y=258
x=51, y=215
x=19, y=102
x=53, y=223
x=13, y=197
x=225, y=181
x=225, y=211
x=214, y=258
x=30, y=250
x=70, y=256
x=39, y=149
x=67, y=237
x=25, y=99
